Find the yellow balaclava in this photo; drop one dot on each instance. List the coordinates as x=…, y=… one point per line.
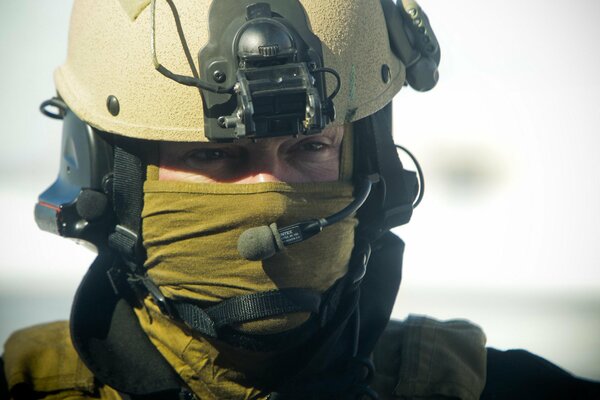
x=190, y=234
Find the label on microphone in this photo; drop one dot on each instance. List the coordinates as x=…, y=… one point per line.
x=291, y=234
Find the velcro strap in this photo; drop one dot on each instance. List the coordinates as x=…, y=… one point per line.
x=128, y=181
x=246, y=308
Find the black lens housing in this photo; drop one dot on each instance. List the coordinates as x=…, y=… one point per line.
x=271, y=59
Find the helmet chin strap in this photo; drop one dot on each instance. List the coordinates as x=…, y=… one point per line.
x=219, y=321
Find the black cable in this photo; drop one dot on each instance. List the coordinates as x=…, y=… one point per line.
x=337, y=77
x=419, y=173
x=181, y=79
x=191, y=81
x=361, y=197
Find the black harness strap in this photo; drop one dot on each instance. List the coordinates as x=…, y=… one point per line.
x=246, y=308
x=128, y=181
x=391, y=201
x=264, y=304
x=375, y=310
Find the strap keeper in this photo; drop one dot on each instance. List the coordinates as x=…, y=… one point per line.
x=126, y=242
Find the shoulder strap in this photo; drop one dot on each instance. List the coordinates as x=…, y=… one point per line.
x=378, y=291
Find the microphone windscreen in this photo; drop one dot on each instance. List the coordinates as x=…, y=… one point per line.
x=91, y=204
x=257, y=243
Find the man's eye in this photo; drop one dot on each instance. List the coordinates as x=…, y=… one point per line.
x=207, y=155
x=218, y=157
x=313, y=146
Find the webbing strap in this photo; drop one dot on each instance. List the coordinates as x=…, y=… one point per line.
x=390, y=203
x=246, y=308
x=128, y=180
x=399, y=198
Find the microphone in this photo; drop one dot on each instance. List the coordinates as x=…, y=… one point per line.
x=262, y=242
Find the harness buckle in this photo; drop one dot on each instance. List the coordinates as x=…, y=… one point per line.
x=159, y=299
x=361, y=264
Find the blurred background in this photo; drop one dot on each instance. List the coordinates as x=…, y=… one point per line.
x=507, y=233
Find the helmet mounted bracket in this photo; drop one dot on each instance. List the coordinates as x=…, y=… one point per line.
x=261, y=73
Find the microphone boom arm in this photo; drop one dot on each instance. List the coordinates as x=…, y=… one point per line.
x=262, y=242
x=303, y=230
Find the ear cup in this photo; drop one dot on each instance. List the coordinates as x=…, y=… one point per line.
x=75, y=205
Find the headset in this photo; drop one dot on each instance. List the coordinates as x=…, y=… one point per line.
x=78, y=205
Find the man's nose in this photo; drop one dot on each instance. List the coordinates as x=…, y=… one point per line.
x=266, y=166
x=263, y=177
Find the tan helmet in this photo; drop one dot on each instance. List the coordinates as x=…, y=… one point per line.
x=110, y=81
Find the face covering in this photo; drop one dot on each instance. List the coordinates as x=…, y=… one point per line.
x=191, y=231
x=190, y=235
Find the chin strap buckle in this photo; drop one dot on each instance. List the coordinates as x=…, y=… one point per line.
x=362, y=254
x=159, y=299
x=150, y=287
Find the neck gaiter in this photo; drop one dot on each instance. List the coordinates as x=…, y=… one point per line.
x=191, y=231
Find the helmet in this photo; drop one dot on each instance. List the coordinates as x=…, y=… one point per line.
x=159, y=70
x=114, y=77
x=143, y=71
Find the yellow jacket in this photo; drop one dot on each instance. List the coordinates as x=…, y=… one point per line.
x=417, y=358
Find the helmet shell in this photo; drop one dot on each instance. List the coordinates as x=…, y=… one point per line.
x=110, y=82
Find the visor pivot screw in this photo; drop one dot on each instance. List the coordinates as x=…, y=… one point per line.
x=386, y=74
x=219, y=76
x=112, y=104
x=226, y=122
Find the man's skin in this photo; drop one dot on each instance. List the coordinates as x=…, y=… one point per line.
x=313, y=158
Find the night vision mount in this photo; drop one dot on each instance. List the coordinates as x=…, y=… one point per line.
x=262, y=73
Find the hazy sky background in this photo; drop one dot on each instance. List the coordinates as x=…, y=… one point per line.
x=507, y=233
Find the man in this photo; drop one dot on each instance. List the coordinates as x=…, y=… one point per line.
x=233, y=164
